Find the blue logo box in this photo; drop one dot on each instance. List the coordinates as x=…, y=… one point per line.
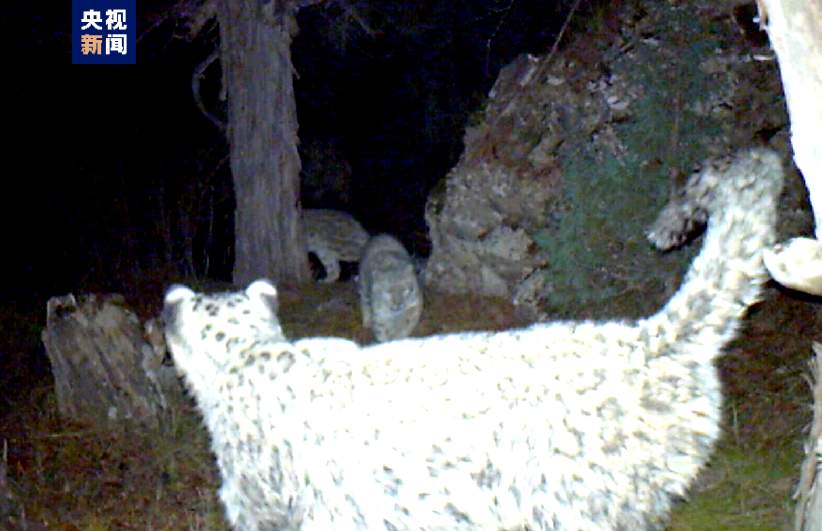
x=104, y=32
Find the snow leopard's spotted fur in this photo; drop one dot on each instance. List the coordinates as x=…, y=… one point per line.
x=333, y=237
x=566, y=425
x=390, y=294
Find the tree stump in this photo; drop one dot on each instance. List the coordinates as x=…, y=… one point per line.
x=809, y=490
x=106, y=368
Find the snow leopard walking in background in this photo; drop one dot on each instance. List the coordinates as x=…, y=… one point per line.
x=565, y=425
x=390, y=293
x=333, y=236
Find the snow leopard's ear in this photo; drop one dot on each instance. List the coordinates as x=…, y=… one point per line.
x=176, y=293
x=264, y=291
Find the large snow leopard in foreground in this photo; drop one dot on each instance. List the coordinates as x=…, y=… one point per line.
x=565, y=425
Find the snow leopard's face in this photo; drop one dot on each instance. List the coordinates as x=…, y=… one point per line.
x=397, y=308
x=398, y=296
x=205, y=332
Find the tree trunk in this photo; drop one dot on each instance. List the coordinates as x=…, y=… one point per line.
x=262, y=132
x=795, y=30
x=105, y=370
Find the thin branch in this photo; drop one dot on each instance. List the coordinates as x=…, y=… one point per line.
x=198, y=74
x=505, y=12
x=562, y=31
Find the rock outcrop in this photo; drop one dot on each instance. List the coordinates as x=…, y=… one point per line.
x=575, y=152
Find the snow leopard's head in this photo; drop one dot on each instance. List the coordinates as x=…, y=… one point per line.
x=213, y=332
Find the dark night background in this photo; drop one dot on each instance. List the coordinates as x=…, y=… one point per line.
x=116, y=182
x=105, y=164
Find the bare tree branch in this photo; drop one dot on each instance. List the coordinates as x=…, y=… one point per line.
x=198, y=74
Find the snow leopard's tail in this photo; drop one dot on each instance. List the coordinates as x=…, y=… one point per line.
x=738, y=196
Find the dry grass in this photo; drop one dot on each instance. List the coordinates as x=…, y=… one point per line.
x=72, y=478
x=333, y=310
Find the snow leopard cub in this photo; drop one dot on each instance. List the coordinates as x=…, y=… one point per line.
x=334, y=237
x=390, y=294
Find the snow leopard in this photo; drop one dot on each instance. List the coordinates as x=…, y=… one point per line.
x=390, y=294
x=333, y=236
x=559, y=425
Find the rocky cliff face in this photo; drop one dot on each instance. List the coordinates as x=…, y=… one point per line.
x=574, y=154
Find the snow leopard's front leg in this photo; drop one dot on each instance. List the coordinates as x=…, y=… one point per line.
x=364, y=286
x=331, y=264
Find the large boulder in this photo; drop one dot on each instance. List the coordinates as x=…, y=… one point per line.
x=575, y=153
